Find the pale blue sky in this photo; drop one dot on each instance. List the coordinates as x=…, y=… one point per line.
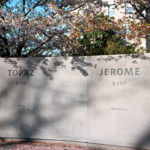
x=14, y=2
x=40, y=9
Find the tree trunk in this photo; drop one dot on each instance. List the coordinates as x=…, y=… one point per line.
x=19, y=49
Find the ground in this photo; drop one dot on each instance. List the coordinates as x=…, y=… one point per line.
x=39, y=146
x=19, y=145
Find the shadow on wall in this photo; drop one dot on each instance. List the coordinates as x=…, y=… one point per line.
x=28, y=120
x=144, y=140
x=21, y=120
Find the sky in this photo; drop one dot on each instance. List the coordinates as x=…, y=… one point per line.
x=38, y=9
x=14, y=2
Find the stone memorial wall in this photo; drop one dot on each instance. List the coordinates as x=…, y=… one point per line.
x=97, y=99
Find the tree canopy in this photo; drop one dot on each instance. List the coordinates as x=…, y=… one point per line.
x=31, y=28
x=43, y=27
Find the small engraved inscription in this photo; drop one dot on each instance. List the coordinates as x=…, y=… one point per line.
x=118, y=83
x=21, y=82
x=118, y=109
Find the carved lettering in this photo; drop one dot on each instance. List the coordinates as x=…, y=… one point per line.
x=120, y=71
x=23, y=73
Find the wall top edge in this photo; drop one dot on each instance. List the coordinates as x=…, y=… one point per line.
x=96, y=56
